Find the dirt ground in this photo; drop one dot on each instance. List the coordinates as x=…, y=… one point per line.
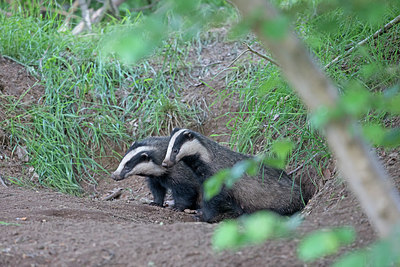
x=40, y=227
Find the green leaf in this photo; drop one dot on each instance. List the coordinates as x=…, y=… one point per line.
x=374, y=133
x=382, y=254
x=237, y=171
x=380, y=136
x=324, y=242
x=263, y=225
x=356, y=100
x=239, y=30
x=276, y=29
x=393, y=105
x=213, y=185
x=260, y=226
x=320, y=117
x=391, y=138
x=226, y=235
x=370, y=11
x=274, y=162
x=372, y=69
x=282, y=148
x=355, y=259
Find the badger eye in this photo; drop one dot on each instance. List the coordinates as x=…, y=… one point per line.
x=176, y=150
x=144, y=156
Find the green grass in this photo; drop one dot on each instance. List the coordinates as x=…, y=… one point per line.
x=94, y=104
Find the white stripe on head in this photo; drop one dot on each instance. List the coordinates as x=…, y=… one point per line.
x=147, y=168
x=130, y=155
x=172, y=143
x=194, y=147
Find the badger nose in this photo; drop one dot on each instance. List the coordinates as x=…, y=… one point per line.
x=114, y=176
x=167, y=163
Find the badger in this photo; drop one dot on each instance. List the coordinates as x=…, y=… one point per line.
x=144, y=158
x=272, y=189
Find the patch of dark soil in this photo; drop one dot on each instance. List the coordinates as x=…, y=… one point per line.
x=18, y=91
x=57, y=229
x=17, y=85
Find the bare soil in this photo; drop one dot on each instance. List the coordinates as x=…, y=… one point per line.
x=40, y=227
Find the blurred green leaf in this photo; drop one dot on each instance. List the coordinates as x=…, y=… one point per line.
x=393, y=105
x=282, y=148
x=226, y=235
x=370, y=11
x=380, y=136
x=328, y=24
x=277, y=28
x=213, y=185
x=253, y=229
x=371, y=69
x=374, y=133
x=261, y=225
x=275, y=162
x=320, y=117
x=239, y=30
x=356, y=100
x=356, y=259
x=324, y=242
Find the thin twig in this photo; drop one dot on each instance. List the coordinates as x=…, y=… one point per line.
x=375, y=35
x=261, y=55
x=117, y=192
x=96, y=17
x=71, y=12
x=60, y=12
x=249, y=49
x=2, y=181
x=230, y=64
x=113, y=8
x=85, y=14
x=302, y=165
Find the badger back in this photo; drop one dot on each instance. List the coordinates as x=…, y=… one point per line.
x=143, y=158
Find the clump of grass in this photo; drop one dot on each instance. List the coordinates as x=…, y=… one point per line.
x=81, y=117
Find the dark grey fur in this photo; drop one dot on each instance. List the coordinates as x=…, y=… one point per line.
x=275, y=192
x=180, y=179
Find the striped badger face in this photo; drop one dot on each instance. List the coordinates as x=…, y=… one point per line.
x=139, y=160
x=184, y=143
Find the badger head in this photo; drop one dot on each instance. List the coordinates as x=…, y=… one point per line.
x=139, y=160
x=184, y=143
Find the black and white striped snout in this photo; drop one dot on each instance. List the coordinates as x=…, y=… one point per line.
x=116, y=176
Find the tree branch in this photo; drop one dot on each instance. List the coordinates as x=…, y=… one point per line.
x=366, y=177
x=261, y=55
x=97, y=15
x=85, y=14
x=2, y=181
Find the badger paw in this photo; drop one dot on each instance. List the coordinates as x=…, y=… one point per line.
x=156, y=204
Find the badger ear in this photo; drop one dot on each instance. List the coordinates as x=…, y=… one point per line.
x=144, y=156
x=188, y=135
x=175, y=130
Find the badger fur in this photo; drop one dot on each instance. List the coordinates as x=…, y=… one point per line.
x=272, y=189
x=144, y=158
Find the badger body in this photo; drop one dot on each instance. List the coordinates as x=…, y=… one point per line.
x=144, y=158
x=272, y=189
